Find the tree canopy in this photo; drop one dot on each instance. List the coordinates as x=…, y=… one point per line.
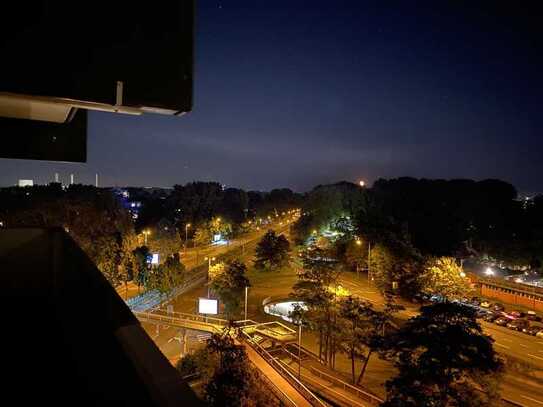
x=442, y=356
x=272, y=252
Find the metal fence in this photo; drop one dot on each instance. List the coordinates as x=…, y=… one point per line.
x=278, y=366
x=364, y=395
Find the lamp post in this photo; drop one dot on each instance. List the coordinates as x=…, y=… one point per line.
x=209, y=260
x=369, y=256
x=299, y=350
x=358, y=243
x=246, y=288
x=187, y=226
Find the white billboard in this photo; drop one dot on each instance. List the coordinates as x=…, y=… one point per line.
x=208, y=306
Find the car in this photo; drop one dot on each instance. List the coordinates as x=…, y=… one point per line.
x=518, y=324
x=475, y=301
x=481, y=313
x=502, y=321
x=539, y=334
x=517, y=314
x=485, y=304
x=491, y=316
x=532, y=316
x=437, y=298
x=533, y=329
x=498, y=307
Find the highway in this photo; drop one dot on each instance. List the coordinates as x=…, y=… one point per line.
x=528, y=349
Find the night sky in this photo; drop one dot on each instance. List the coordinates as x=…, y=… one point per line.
x=298, y=93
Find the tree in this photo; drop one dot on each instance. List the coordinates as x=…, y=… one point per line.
x=165, y=277
x=441, y=356
x=230, y=383
x=141, y=267
x=356, y=317
x=443, y=276
x=356, y=254
x=272, y=252
x=202, y=236
x=230, y=284
x=396, y=264
x=318, y=275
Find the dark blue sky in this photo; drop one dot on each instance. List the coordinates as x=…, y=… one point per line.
x=296, y=93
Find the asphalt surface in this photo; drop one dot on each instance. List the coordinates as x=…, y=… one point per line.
x=528, y=349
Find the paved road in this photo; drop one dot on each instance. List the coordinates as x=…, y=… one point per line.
x=526, y=348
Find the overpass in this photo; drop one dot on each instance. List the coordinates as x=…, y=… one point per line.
x=282, y=382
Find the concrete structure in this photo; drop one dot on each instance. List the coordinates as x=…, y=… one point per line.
x=69, y=338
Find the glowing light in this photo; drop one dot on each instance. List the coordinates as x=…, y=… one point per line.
x=489, y=271
x=361, y=183
x=462, y=274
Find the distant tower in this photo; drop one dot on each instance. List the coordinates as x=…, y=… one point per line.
x=71, y=179
x=96, y=180
x=56, y=176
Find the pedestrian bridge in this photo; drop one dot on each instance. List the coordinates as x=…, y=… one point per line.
x=274, y=331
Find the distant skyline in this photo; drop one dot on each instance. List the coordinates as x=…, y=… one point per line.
x=294, y=95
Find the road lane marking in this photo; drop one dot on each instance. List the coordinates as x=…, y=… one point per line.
x=507, y=340
x=531, y=399
x=521, y=344
x=534, y=356
x=503, y=346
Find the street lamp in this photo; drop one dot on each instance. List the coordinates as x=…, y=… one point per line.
x=246, y=288
x=145, y=234
x=209, y=260
x=187, y=226
x=299, y=350
x=489, y=271
x=361, y=183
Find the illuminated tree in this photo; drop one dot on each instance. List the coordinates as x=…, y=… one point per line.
x=445, y=277
x=230, y=285
x=165, y=277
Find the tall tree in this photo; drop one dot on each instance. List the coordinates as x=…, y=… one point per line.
x=445, y=277
x=231, y=381
x=272, y=252
x=230, y=284
x=437, y=372
x=168, y=275
x=318, y=275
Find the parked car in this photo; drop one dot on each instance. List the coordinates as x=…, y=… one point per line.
x=485, y=304
x=539, y=334
x=481, y=313
x=533, y=329
x=475, y=301
x=518, y=324
x=517, y=314
x=491, y=316
x=532, y=316
x=502, y=321
x=498, y=307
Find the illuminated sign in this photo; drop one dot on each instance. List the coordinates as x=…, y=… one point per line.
x=154, y=259
x=208, y=306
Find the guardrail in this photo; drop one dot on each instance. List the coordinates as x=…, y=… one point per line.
x=280, y=394
x=278, y=366
x=347, y=387
x=168, y=320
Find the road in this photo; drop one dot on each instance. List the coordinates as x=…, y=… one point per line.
x=528, y=349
